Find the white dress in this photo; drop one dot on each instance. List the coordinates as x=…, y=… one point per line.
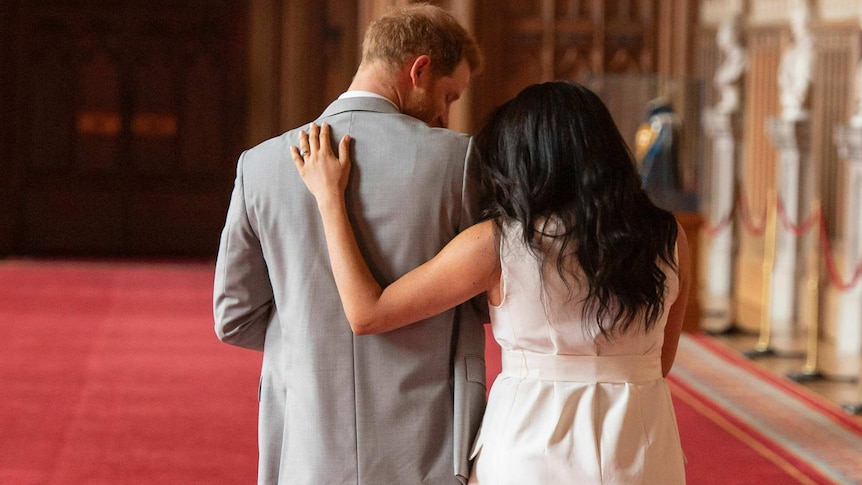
x=568, y=407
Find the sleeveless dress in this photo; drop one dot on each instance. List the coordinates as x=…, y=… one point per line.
x=570, y=406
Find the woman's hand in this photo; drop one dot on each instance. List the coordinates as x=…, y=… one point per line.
x=324, y=174
x=467, y=266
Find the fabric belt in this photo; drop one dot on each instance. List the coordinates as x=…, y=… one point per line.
x=581, y=368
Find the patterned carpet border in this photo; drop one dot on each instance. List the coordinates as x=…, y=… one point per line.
x=799, y=426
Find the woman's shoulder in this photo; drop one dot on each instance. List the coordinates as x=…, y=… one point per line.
x=481, y=234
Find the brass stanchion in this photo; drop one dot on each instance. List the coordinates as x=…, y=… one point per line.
x=763, y=348
x=811, y=369
x=854, y=408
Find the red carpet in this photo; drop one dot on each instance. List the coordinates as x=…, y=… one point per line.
x=811, y=439
x=718, y=445
x=111, y=374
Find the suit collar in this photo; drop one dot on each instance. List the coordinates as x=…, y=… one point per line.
x=373, y=104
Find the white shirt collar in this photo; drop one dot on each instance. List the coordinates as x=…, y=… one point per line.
x=365, y=94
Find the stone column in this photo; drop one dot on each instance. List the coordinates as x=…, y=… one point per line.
x=719, y=127
x=795, y=177
x=849, y=321
x=794, y=187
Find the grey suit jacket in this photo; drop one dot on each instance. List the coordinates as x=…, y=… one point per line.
x=401, y=407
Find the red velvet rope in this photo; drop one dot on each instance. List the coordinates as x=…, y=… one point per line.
x=713, y=230
x=832, y=268
x=815, y=217
x=800, y=229
x=747, y=223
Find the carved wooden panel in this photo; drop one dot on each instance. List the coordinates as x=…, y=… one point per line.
x=302, y=71
x=341, y=46
x=765, y=47
x=97, y=120
x=628, y=39
x=131, y=122
x=302, y=61
x=577, y=48
x=201, y=147
x=154, y=97
x=758, y=164
x=534, y=41
x=530, y=57
x=706, y=62
x=51, y=62
x=831, y=105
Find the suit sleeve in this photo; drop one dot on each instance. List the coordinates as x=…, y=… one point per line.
x=470, y=189
x=242, y=293
x=472, y=204
x=469, y=359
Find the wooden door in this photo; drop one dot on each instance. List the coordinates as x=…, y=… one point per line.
x=125, y=122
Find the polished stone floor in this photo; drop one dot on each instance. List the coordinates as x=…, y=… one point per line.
x=833, y=376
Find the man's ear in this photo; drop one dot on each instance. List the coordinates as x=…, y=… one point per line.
x=420, y=70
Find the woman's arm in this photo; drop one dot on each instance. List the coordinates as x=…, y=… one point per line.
x=676, y=315
x=467, y=266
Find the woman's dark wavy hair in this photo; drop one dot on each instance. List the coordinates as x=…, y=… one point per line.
x=554, y=151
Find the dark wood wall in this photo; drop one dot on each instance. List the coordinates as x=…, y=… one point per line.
x=7, y=174
x=122, y=123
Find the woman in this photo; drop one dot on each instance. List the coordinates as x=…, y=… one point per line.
x=586, y=282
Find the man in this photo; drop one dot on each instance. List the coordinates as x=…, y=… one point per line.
x=335, y=408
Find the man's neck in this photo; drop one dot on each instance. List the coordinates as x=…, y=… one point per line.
x=378, y=80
